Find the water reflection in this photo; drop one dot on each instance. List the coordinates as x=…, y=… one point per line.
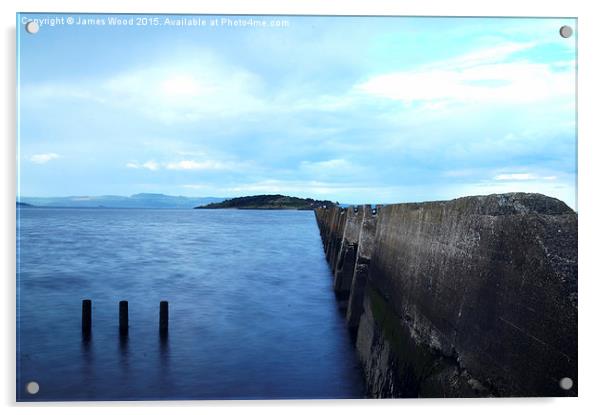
x=164, y=351
x=87, y=367
x=87, y=355
x=163, y=345
x=124, y=347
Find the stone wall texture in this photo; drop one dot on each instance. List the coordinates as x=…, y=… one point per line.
x=471, y=297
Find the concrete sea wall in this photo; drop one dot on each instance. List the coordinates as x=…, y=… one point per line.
x=471, y=297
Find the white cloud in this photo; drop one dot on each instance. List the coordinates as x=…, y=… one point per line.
x=183, y=85
x=149, y=165
x=191, y=153
x=202, y=88
x=195, y=165
x=207, y=88
x=521, y=177
x=514, y=177
x=40, y=93
x=494, y=83
x=183, y=90
x=488, y=55
x=43, y=158
x=184, y=165
x=481, y=77
x=328, y=165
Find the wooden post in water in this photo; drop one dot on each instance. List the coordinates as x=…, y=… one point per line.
x=163, y=317
x=123, y=317
x=86, y=317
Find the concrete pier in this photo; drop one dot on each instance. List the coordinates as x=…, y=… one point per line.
x=471, y=297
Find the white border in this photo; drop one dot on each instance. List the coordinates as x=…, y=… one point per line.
x=589, y=196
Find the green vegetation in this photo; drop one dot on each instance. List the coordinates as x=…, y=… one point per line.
x=268, y=202
x=413, y=360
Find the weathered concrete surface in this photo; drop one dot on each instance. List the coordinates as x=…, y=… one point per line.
x=396, y=365
x=336, y=229
x=361, y=268
x=345, y=259
x=472, y=297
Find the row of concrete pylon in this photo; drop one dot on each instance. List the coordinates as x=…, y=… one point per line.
x=123, y=317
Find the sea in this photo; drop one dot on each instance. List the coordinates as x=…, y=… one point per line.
x=252, y=314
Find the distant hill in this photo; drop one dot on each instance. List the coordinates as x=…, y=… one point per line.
x=268, y=202
x=21, y=204
x=140, y=200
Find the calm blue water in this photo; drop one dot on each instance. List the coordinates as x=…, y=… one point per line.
x=252, y=312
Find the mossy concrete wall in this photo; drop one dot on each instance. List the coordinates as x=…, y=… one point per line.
x=471, y=297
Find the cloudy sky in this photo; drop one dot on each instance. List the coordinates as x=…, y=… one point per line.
x=356, y=110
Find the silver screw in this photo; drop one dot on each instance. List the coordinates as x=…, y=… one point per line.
x=566, y=31
x=32, y=388
x=32, y=27
x=566, y=383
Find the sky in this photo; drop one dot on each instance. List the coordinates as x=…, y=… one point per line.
x=350, y=109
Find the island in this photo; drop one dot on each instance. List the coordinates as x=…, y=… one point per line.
x=269, y=202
